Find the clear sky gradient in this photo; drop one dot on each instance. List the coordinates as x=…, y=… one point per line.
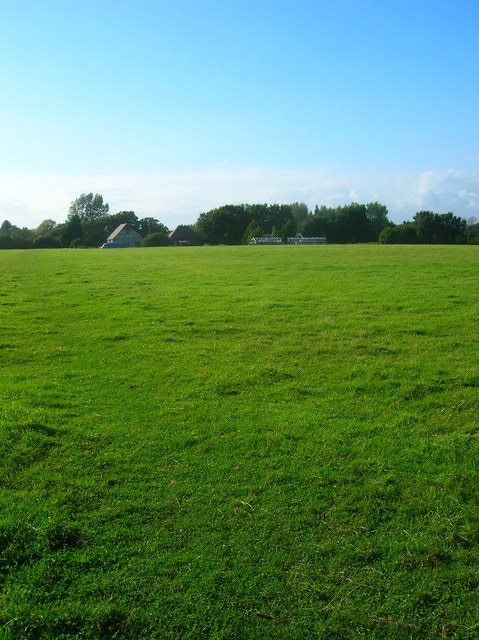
x=173, y=107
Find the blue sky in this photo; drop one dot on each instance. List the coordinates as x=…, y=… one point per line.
x=173, y=107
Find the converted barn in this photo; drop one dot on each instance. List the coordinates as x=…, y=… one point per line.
x=124, y=234
x=185, y=235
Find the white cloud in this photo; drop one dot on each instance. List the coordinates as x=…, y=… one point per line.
x=441, y=192
x=176, y=198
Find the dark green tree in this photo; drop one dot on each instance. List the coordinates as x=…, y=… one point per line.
x=46, y=242
x=277, y=216
x=377, y=219
x=156, y=239
x=288, y=230
x=12, y=237
x=225, y=225
x=147, y=226
x=88, y=207
x=300, y=213
x=71, y=230
x=352, y=221
x=128, y=217
x=340, y=224
x=471, y=232
x=435, y=228
x=6, y=226
x=427, y=226
x=452, y=229
x=230, y=224
x=316, y=224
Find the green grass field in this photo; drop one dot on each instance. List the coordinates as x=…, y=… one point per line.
x=239, y=443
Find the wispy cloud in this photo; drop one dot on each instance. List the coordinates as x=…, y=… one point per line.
x=440, y=191
x=180, y=197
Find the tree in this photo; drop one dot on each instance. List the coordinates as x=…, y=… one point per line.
x=147, y=226
x=316, y=224
x=426, y=225
x=6, y=226
x=128, y=217
x=252, y=230
x=388, y=235
x=451, y=228
x=45, y=228
x=472, y=233
x=225, y=225
x=277, y=216
x=404, y=233
x=71, y=231
x=12, y=237
x=156, y=239
x=46, y=242
x=352, y=223
x=300, y=212
x=435, y=228
x=287, y=230
x=340, y=224
x=377, y=217
x=6, y=242
x=88, y=207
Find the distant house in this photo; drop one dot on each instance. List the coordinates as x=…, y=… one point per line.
x=184, y=235
x=124, y=234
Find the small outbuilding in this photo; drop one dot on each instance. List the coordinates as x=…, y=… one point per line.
x=126, y=235
x=184, y=235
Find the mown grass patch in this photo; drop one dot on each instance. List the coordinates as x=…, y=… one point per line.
x=239, y=442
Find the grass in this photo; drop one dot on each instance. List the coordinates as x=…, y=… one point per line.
x=239, y=443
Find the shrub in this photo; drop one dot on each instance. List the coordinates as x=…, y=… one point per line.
x=155, y=240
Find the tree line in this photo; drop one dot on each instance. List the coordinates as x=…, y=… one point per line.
x=89, y=222
x=352, y=223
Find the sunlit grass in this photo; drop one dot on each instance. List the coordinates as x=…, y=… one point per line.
x=239, y=442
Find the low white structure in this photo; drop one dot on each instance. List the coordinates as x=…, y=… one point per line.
x=266, y=239
x=299, y=239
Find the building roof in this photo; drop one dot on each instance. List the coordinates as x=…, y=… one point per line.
x=185, y=233
x=114, y=233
